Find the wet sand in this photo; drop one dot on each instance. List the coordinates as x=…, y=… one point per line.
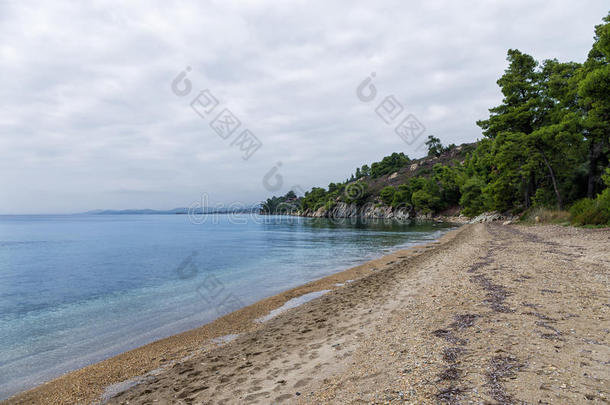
x=489, y=314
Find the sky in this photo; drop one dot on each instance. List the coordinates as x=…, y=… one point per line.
x=115, y=105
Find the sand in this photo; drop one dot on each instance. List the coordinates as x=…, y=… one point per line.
x=489, y=314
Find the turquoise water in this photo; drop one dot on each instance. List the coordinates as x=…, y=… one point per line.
x=75, y=289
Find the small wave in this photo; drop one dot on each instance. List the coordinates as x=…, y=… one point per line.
x=292, y=303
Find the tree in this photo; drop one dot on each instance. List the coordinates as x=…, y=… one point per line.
x=287, y=204
x=449, y=179
x=509, y=122
x=389, y=164
x=425, y=202
x=594, y=98
x=402, y=196
x=526, y=131
x=356, y=193
x=314, y=199
x=387, y=194
x=435, y=148
x=547, y=143
x=472, y=196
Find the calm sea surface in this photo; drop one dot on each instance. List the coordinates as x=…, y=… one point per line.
x=75, y=289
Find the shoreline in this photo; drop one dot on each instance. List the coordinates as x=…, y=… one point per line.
x=498, y=314
x=88, y=384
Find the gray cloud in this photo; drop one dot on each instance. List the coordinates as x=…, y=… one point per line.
x=88, y=119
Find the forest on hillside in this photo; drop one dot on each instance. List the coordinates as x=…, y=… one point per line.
x=547, y=145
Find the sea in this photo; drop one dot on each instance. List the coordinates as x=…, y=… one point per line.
x=77, y=289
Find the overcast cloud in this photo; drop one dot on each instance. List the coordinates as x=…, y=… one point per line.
x=88, y=119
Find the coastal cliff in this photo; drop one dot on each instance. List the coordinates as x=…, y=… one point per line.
x=374, y=210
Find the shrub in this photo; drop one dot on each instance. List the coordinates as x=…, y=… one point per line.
x=449, y=179
x=472, y=196
x=581, y=206
x=356, y=193
x=544, y=198
x=603, y=200
x=590, y=211
x=387, y=194
x=402, y=196
x=314, y=199
x=389, y=164
x=425, y=202
x=329, y=205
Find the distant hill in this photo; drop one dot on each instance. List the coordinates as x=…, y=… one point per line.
x=145, y=211
x=175, y=211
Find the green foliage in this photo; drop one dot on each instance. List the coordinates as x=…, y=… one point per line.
x=387, y=194
x=389, y=164
x=402, y=197
x=329, y=204
x=365, y=170
x=425, y=194
x=590, y=211
x=356, y=193
x=314, y=199
x=287, y=204
x=425, y=202
x=449, y=179
x=606, y=177
x=535, y=138
x=603, y=201
x=543, y=198
x=361, y=172
x=435, y=148
x=472, y=198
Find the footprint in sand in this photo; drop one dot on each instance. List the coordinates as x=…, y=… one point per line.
x=302, y=382
x=283, y=397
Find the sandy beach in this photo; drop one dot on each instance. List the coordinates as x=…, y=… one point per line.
x=489, y=314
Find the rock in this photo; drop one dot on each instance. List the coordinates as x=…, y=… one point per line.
x=373, y=210
x=343, y=210
x=507, y=222
x=319, y=213
x=393, y=176
x=426, y=216
x=487, y=217
x=537, y=219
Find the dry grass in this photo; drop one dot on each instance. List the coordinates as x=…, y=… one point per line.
x=546, y=216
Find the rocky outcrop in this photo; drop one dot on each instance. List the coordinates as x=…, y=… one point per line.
x=379, y=210
x=492, y=216
x=320, y=213
x=343, y=210
x=367, y=211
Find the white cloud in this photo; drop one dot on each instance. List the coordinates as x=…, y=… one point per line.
x=88, y=119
